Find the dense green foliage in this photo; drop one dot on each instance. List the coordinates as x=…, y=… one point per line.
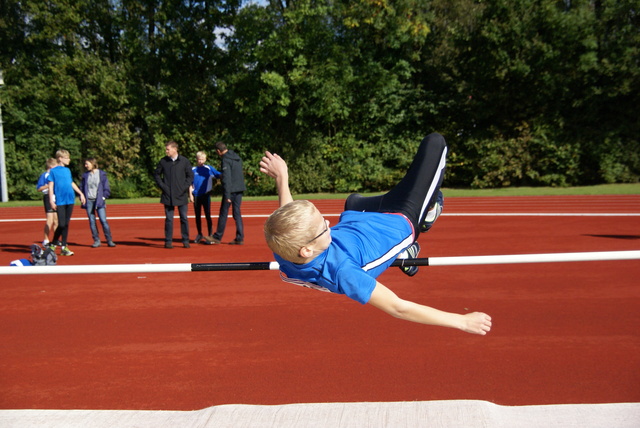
x=526, y=92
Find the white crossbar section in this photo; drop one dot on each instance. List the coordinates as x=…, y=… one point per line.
x=128, y=268
x=534, y=258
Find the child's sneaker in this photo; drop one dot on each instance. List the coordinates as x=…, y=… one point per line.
x=433, y=213
x=410, y=253
x=65, y=251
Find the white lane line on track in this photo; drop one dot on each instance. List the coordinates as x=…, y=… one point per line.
x=16, y=220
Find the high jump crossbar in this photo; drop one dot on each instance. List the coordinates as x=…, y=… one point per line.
x=431, y=261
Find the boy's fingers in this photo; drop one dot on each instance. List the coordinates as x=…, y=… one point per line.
x=270, y=155
x=271, y=164
x=264, y=164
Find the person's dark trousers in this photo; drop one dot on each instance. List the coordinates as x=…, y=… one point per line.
x=203, y=202
x=168, y=223
x=236, y=201
x=64, y=218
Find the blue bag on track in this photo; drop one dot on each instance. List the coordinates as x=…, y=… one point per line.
x=21, y=262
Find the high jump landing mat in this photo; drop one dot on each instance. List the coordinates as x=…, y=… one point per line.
x=450, y=414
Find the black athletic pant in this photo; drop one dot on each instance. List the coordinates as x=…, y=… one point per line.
x=203, y=202
x=64, y=218
x=417, y=191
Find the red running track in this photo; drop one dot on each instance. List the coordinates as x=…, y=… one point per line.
x=563, y=332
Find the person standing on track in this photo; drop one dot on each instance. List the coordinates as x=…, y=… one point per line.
x=200, y=193
x=371, y=234
x=174, y=176
x=233, y=187
x=95, y=186
x=62, y=198
x=52, y=216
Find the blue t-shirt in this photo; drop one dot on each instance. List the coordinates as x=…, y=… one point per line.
x=42, y=180
x=61, y=178
x=363, y=246
x=203, y=179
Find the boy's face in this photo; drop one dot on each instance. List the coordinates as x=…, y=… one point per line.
x=64, y=160
x=201, y=160
x=322, y=233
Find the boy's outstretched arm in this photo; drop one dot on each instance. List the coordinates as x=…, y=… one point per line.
x=274, y=166
x=79, y=192
x=387, y=301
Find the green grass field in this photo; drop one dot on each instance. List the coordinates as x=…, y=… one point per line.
x=604, y=189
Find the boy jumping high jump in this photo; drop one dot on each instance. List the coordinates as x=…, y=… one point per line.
x=372, y=232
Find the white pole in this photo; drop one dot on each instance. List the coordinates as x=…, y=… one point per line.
x=91, y=269
x=433, y=261
x=4, y=195
x=534, y=258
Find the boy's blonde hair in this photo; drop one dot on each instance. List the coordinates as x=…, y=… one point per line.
x=289, y=229
x=201, y=153
x=62, y=153
x=51, y=162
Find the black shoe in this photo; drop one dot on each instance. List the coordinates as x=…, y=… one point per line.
x=168, y=245
x=186, y=244
x=412, y=252
x=198, y=239
x=236, y=242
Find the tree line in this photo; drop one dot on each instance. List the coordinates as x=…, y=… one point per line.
x=526, y=92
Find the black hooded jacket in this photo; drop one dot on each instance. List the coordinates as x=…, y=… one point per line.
x=232, y=174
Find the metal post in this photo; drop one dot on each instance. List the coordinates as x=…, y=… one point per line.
x=3, y=167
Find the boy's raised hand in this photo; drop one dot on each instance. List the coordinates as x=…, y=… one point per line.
x=273, y=165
